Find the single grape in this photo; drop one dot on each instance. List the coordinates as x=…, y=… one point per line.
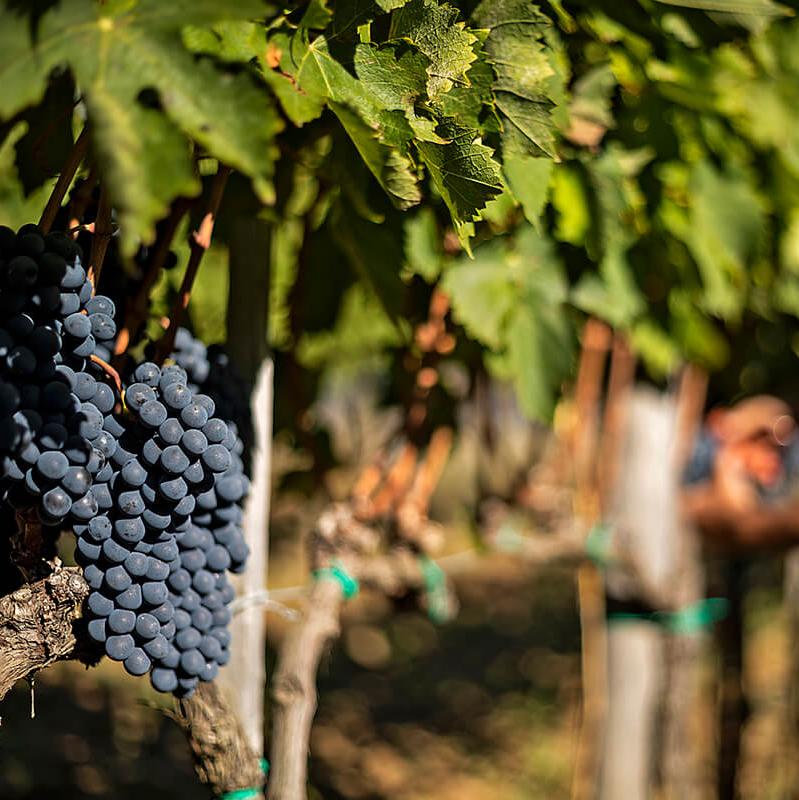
x=137, y=663
x=136, y=564
x=131, y=503
x=133, y=473
x=93, y=575
x=84, y=508
x=137, y=394
x=77, y=481
x=147, y=373
x=99, y=604
x=202, y=619
x=194, y=415
x=164, y=613
x=99, y=528
x=131, y=598
x=154, y=593
x=164, y=680
x=174, y=490
x=119, y=647
x=157, y=570
x=152, y=413
x=217, y=558
x=170, y=431
x=97, y=630
x=190, y=600
x=191, y=662
x=121, y=621
x=179, y=581
x=194, y=442
x=174, y=460
x=147, y=626
x=216, y=458
x=188, y=638
x=210, y=647
x=117, y=578
x=130, y=530
x=114, y=551
x=78, y=325
x=203, y=581
x=156, y=647
x=101, y=305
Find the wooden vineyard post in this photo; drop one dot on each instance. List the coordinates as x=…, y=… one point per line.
x=791, y=690
x=590, y=587
x=642, y=503
x=244, y=678
x=681, y=771
x=733, y=710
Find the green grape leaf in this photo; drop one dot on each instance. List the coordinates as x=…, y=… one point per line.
x=463, y=171
x=517, y=49
x=725, y=234
x=234, y=40
x=510, y=298
x=359, y=240
x=117, y=51
x=42, y=151
x=396, y=80
x=468, y=103
x=529, y=180
x=143, y=159
x=760, y=8
x=434, y=30
x=481, y=294
x=423, y=254
x=393, y=170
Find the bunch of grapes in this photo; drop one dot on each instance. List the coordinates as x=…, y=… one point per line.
x=52, y=441
x=211, y=370
x=152, y=481
x=144, y=558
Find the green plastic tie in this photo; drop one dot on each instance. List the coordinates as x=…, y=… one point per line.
x=697, y=617
x=336, y=572
x=246, y=794
x=598, y=544
x=438, y=604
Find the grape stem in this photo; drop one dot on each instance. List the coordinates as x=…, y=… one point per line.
x=108, y=370
x=136, y=308
x=200, y=241
x=103, y=231
x=81, y=199
x=76, y=155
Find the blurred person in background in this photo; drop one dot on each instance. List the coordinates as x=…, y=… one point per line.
x=741, y=483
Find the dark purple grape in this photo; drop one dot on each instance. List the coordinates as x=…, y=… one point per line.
x=121, y=621
x=119, y=647
x=137, y=663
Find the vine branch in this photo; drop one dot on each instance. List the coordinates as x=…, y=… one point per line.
x=76, y=155
x=200, y=242
x=136, y=310
x=102, y=236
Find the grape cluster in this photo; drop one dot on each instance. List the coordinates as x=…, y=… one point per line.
x=52, y=441
x=219, y=510
x=145, y=556
x=211, y=370
x=152, y=482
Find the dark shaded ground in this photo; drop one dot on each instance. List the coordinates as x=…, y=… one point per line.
x=484, y=708
x=402, y=704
